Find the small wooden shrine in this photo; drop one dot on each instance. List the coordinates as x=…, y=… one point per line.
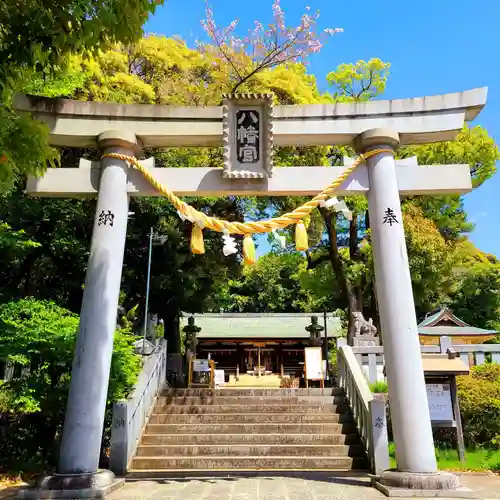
x=443, y=323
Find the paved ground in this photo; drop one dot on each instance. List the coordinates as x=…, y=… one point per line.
x=310, y=486
x=306, y=487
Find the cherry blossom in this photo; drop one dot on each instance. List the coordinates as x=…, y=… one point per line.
x=267, y=47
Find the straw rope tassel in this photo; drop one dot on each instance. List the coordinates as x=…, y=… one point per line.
x=197, y=243
x=247, y=229
x=248, y=250
x=301, y=240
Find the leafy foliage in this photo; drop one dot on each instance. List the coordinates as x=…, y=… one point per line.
x=52, y=238
x=477, y=296
x=360, y=81
x=23, y=147
x=39, y=34
x=431, y=260
x=270, y=285
x=479, y=395
x=38, y=43
x=39, y=337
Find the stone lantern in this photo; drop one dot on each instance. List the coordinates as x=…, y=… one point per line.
x=191, y=341
x=315, y=332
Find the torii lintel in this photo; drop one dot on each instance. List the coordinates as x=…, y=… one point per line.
x=286, y=181
x=418, y=120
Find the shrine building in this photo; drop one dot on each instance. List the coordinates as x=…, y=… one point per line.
x=443, y=323
x=274, y=342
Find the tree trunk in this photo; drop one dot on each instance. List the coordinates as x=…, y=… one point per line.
x=28, y=272
x=171, y=331
x=348, y=291
x=353, y=238
x=373, y=296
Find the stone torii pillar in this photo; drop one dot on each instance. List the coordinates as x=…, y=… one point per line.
x=84, y=419
x=411, y=425
x=85, y=411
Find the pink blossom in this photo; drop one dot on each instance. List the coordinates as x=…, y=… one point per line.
x=314, y=46
x=267, y=47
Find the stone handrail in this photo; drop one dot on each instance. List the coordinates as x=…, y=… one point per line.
x=369, y=413
x=131, y=415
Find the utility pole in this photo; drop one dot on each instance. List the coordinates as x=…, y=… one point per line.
x=148, y=282
x=326, y=341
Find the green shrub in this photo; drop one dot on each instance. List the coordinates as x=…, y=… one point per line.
x=379, y=387
x=5, y=403
x=40, y=336
x=479, y=397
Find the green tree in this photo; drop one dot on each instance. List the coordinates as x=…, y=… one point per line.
x=52, y=240
x=39, y=34
x=270, y=285
x=431, y=258
x=472, y=146
x=360, y=81
x=476, y=298
x=39, y=337
x=37, y=39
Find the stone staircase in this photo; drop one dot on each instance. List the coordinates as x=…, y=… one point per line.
x=249, y=429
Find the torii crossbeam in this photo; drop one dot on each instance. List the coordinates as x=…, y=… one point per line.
x=418, y=121
x=247, y=126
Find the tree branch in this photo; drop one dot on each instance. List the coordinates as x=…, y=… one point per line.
x=313, y=264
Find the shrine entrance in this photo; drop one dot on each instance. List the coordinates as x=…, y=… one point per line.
x=373, y=129
x=255, y=358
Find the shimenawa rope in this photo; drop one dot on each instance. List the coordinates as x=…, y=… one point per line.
x=201, y=220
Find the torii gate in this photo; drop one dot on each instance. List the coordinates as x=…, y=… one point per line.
x=127, y=129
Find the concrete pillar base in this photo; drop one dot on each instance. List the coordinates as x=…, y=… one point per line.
x=96, y=485
x=394, y=483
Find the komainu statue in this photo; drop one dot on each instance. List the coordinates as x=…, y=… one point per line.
x=360, y=326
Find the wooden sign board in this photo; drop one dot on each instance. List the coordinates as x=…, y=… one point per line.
x=440, y=402
x=444, y=407
x=201, y=365
x=313, y=365
x=198, y=368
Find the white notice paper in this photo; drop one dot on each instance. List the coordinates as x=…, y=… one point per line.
x=314, y=363
x=440, y=405
x=219, y=378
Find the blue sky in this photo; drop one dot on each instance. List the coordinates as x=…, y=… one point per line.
x=434, y=47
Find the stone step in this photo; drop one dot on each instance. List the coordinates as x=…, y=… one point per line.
x=241, y=408
x=221, y=439
x=250, y=450
x=277, y=393
x=251, y=428
x=250, y=400
x=247, y=463
x=250, y=418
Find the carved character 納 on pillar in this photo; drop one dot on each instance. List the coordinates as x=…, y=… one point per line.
x=106, y=218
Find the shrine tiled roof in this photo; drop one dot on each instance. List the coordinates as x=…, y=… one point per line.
x=452, y=331
x=432, y=325
x=265, y=325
